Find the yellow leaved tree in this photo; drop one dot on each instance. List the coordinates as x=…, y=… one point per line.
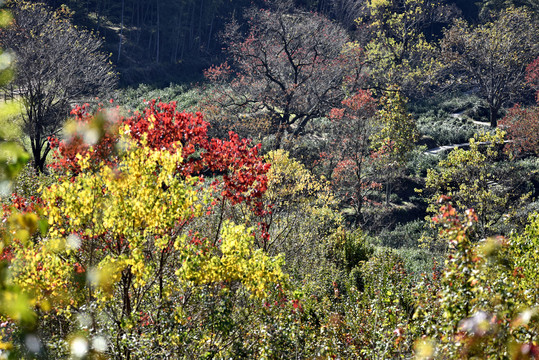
x=121, y=254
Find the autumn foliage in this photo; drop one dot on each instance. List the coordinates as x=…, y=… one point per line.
x=349, y=155
x=163, y=127
x=290, y=68
x=521, y=123
x=131, y=218
x=162, y=234
x=532, y=74
x=88, y=133
x=522, y=127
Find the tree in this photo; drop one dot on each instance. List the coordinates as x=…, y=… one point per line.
x=475, y=179
x=291, y=67
x=301, y=210
x=153, y=241
x=522, y=126
x=398, y=52
x=132, y=236
x=161, y=126
x=394, y=141
x=493, y=57
x=532, y=75
x=56, y=64
x=349, y=150
x=497, y=5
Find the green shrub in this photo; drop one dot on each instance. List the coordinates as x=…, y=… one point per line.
x=187, y=99
x=446, y=129
x=403, y=235
x=419, y=162
x=355, y=250
x=27, y=184
x=460, y=103
x=451, y=103
x=420, y=261
x=378, y=317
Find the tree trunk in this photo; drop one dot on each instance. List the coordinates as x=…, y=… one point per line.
x=388, y=193
x=282, y=123
x=39, y=162
x=278, y=138
x=40, y=156
x=210, y=32
x=493, y=116
x=158, y=34
x=199, y=31
x=178, y=33
x=36, y=153
x=127, y=277
x=121, y=32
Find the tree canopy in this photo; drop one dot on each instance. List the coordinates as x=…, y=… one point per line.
x=291, y=66
x=492, y=57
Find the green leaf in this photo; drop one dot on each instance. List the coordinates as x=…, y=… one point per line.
x=8, y=110
x=5, y=17
x=43, y=226
x=13, y=157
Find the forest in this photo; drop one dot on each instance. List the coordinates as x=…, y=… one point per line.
x=269, y=179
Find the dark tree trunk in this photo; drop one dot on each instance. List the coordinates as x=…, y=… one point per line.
x=38, y=165
x=493, y=115
x=40, y=155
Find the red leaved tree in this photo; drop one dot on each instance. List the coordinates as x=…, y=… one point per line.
x=532, y=75
x=348, y=156
x=242, y=169
x=89, y=133
x=237, y=171
x=522, y=124
x=290, y=68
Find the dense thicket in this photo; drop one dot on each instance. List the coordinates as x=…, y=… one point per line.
x=377, y=214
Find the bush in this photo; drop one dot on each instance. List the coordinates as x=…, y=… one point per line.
x=186, y=98
x=303, y=222
x=475, y=178
x=403, y=235
x=446, y=129
x=419, y=162
x=488, y=293
x=522, y=126
x=479, y=112
x=458, y=104
x=451, y=103
x=377, y=317
x=351, y=249
x=420, y=261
